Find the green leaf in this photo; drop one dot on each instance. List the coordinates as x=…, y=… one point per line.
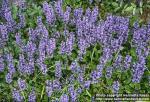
x=134, y=11
x=148, y=6
x=129, y=9
x=133, y=5
x=42, y=92
x=88, y=93
x=14, y=10
x=128, y=89
x=109, y=82
x=137, y=86
x=116, y=9
x=141, y=11
x=125, y=6
x=115, y=4
x=141, y=4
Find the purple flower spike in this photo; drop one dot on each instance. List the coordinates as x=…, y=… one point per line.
x=71, y=79
x=74, y=66
x=49, y=13
x=30, y=49
x=5, y=4
x=87, y=84
x=118, y=62
x=88, y=13
x=33, y=34
x=70, y=88
x=58, y=9
x=73, y=96
x=17, y=96
x=107, y=55
x=78, y=13
x=138, y=71
x=49, y=88
x=42, y=49
x=22, y=64
x=49, y=91
x=31, y=66
x=79, y=90
x=127, y=61
x=67, y=15
x=11, y=67
x=99, y=69
x=82, y=44
x=80, y=78
x=72, y=93
x=9, y=57
x=43, y=68
x=94, y=75
x=64, y=98
x=67, y=46
x=1, y=64
x=4, y=33
x=115, y=86
x=51, y=46
x=56, y=84
x=22, y=84
x=32, y=96
x=109, y=72
x=18, y=39
x=8, y=78
x=58, y=70
x=8, y=16
x=94, y=15
x=22, y=22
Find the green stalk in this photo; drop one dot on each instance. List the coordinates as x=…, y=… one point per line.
x=93, y=53
x=42, y=92
x=23, y=96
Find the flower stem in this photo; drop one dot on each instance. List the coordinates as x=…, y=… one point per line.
x=42, y=92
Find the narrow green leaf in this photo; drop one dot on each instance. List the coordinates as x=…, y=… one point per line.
x=129, y=9
x=88, y=93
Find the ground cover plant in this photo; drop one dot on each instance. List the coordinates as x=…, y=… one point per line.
x=70, y=50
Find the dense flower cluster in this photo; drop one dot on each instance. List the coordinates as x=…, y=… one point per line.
x=32, y=96
x=111, y=34
x=115, y=86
